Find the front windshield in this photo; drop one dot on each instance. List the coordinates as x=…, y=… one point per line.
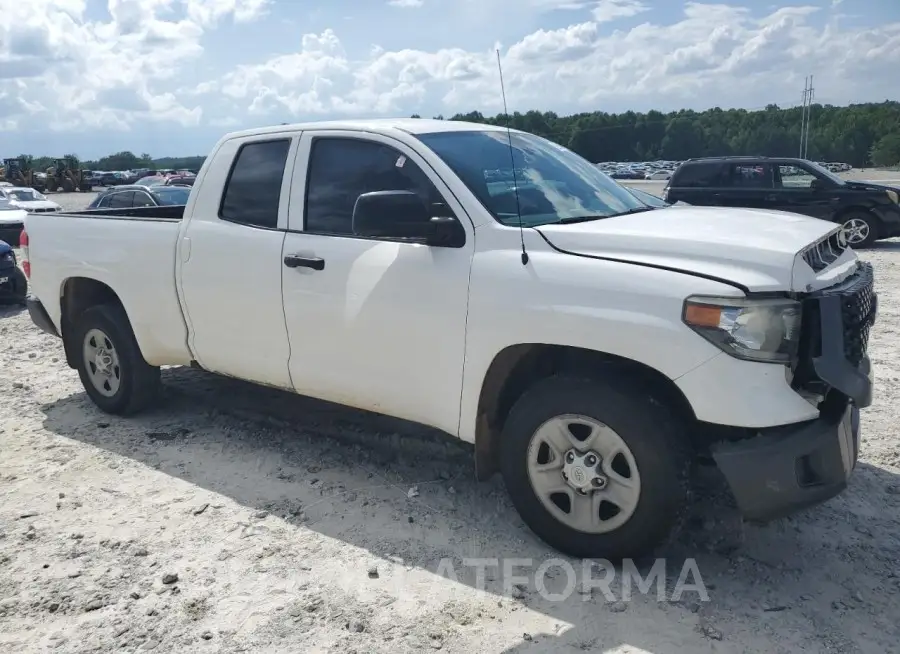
x=26, y=195
x=553, y=184
x=150, y=181
x=172, y=195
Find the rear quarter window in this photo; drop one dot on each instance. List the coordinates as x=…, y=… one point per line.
x=698, y=175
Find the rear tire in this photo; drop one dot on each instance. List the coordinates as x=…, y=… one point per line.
x=21, y=283
x=861, y=228
x=110, y=364
x=621, y=418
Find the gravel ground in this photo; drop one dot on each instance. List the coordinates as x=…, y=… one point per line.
x=237, y=518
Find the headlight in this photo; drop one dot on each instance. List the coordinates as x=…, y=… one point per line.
x=893, y=195
x=754, y=329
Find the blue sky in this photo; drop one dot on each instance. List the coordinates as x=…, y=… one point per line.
x=169, y=77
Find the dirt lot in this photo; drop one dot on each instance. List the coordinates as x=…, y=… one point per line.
x=294, y=526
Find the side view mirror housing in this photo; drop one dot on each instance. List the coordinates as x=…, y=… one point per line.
x=403, y=215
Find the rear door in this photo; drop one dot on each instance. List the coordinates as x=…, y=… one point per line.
x=693, y=182
x=230, y=270
x=747, y=184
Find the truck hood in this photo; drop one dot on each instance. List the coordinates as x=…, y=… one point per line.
x=872, y=186
x=753, y=248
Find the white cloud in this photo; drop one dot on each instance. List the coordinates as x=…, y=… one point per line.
x=73, y=72
x=66, y=72
x=406, y=3
x=716, y=54
x=609, y=10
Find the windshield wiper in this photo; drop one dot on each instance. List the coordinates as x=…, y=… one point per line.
x=583, y=219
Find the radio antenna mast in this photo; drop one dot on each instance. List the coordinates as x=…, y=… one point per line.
x=512, y=161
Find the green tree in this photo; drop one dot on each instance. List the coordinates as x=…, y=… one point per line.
x=852, y=134
x=886, y=152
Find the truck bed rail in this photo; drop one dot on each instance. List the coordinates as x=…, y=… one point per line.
x=164, y=213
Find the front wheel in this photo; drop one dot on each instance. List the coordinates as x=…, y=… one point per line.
x=860, y=229
x=596, y=469
x=110, y=364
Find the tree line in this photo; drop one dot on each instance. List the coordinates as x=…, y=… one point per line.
x=861, y=135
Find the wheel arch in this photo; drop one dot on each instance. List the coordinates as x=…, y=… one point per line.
x=77, y=294
x=515, y=368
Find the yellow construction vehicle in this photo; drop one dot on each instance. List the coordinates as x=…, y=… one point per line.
x=18, y=172
x=67, y=176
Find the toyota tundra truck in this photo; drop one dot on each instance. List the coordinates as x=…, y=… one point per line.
x=496, y=286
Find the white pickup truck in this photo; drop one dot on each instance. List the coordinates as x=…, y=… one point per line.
x=591, y=347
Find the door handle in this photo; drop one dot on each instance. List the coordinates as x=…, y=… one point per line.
x=771, y=198
x=296, y=261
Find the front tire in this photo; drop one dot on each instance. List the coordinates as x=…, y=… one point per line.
x=110, y=364
x=634, y=496
x=860, y=228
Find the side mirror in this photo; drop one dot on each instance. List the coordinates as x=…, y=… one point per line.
x=403, y=214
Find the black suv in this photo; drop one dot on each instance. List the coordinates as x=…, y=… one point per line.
x=868, y=212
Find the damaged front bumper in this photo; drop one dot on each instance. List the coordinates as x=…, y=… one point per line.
x=784, y=469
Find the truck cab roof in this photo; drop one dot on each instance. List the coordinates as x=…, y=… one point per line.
x=376, y=125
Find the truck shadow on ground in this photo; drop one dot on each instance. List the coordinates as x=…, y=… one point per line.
x=817, y=582
x=8, y=310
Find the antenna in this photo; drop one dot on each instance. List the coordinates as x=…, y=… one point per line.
x=512, y=160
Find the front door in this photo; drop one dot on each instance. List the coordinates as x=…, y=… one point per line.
x=802, y=191
x=375, y=324
x=229, y=267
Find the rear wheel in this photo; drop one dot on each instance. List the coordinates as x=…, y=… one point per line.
x=112, y=369
x=21, y=284
x=596, y=469
x=860, y=229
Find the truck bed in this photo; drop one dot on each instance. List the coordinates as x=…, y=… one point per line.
x=167, y=213
x=132, y=251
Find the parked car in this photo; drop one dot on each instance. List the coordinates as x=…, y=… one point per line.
x=588, y=345
x=867, y=212
x=125, y=197
x=658, y=174
x=28, y=199
x=181, y=180
x=12, y=220
x=13, y=283
x=152, y=180
x=113, y=179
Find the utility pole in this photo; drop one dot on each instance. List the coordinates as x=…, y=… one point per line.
x=809, y=93
x=804, y=97
x=809, y=103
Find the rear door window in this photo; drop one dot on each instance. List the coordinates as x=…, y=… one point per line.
x=142, y=199
x=751, y=175
x=253, y=190
x=121, y=200
x=698, y=175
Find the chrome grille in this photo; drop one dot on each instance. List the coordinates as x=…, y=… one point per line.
x=824, y=253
